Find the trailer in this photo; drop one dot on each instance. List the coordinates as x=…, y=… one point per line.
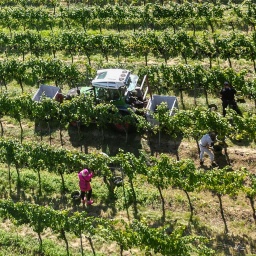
x=48, y=91
x=155, y=101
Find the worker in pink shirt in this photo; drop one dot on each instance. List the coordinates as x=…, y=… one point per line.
x=85, y=177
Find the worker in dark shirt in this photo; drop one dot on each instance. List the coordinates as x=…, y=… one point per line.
x=227, y=95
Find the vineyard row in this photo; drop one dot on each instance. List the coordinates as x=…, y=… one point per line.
x=163, y=79
x=102, y=3
x=164, y=45
x=161, y=172
x=137, y=235
x=196, y=16
x=83, y=109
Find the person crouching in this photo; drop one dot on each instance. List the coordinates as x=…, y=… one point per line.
x=206, y=142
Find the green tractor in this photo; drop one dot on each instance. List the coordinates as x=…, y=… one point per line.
x=118, y=87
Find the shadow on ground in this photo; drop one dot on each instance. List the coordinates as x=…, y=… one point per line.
x=107, y=140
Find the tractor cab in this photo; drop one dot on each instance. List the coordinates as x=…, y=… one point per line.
x=116, y=86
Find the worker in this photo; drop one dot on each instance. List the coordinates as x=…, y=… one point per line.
x=205, y=145
x=227, y=95
x=85, y=177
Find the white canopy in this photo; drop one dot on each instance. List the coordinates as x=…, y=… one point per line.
x=111, y=78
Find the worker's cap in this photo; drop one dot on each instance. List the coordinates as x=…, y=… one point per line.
x=226, y=83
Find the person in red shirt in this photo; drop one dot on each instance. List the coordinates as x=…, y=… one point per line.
x=85, y=177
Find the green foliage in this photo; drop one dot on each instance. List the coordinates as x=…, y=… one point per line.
x=36, y=37
x=225, y=181
x=13, y=243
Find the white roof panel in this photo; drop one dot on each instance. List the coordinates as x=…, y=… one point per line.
x=111, y=78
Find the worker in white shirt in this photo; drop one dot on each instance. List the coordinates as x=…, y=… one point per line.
x=206, y=142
